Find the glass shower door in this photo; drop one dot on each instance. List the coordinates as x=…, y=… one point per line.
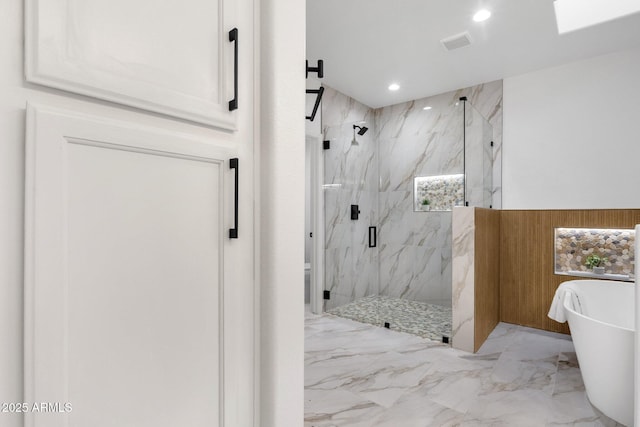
x=478, y=158
x=351, y=218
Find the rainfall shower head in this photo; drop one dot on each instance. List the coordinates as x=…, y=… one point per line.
x=362, y=131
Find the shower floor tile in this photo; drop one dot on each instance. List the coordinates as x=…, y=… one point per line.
x=418, y=318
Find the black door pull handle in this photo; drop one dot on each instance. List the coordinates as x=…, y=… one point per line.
x=233, y=37
x=373, y=237
x=233, y=232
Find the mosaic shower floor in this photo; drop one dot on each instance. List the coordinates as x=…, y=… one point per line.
x=418, y=318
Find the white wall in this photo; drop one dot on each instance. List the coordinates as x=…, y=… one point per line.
x=571, y=134
x=282, y=212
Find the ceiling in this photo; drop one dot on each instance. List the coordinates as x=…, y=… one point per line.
x=368, y=44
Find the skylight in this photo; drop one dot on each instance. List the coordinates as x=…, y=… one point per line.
x=574, y=15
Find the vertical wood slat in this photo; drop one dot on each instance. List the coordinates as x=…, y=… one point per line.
x=486, y=274
x=527, y=279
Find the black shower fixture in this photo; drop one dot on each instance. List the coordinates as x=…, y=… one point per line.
x=319, y=69
x=362, y=131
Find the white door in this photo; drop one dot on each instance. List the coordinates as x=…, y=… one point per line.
x=139, y=308
x=176, y=57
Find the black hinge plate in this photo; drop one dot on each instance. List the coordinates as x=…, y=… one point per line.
x=326, y=145
x=326, y=295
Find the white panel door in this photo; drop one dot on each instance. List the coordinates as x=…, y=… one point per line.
x=133, y=287
x=169, y=56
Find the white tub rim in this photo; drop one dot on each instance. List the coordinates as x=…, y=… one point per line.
x=566, y=304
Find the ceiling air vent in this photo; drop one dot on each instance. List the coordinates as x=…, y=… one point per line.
x=457, y=41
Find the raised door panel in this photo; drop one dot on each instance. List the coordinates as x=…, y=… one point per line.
x=172, y=56
x=128, y=292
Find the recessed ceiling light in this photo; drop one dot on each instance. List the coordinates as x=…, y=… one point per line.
x=427, y=108
x=481, y=15
x=394, y=86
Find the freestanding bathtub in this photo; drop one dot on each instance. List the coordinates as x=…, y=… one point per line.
x=601, y=318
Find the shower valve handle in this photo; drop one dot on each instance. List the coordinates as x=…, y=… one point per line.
x=355, y=211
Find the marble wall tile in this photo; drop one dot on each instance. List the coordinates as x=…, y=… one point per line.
x=475, y=144
x=351, y=178
x=427, y=284
x=488, y=159
x=338, y=109
x=417, y=142
x=396, y=217
x=338, y=274
x=487, y=99
x=338, y=236
x=396, y=269
x=403, y=141
x=463, y=253
x=427, y=229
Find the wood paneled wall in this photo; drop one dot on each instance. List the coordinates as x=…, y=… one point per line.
x=486, y=274
x=527, y=279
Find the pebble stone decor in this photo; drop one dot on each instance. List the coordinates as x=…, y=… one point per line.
x=443, y=192
x=418, y=318
x=574, y=245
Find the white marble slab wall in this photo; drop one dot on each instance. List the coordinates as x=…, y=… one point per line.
x=415, y=247
x=488, y=169
x=463, y=268
x=478, y=153
x=487, y=99
x=351, y=178
x=404, y=140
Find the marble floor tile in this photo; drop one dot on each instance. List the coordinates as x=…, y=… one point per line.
x=412, y=410
x=358, y=375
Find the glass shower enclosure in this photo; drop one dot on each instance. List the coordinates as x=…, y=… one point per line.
x=388, y=197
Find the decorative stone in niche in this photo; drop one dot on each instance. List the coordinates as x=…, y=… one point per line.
x=574, y=245
x=442, y=192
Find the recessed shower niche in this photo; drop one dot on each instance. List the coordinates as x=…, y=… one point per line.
x=438, y=193
x=402, y=278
